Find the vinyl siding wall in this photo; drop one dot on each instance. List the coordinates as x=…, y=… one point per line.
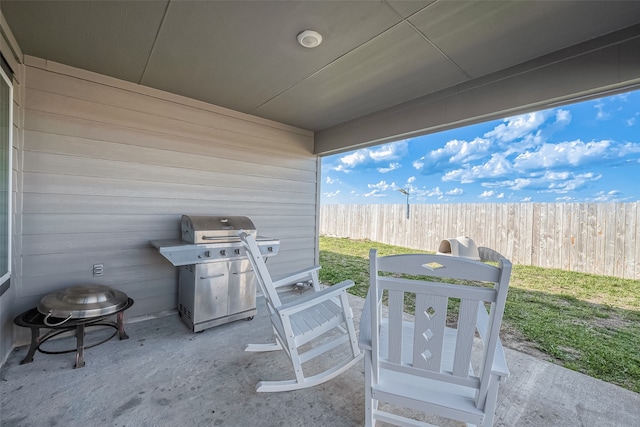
x=108, y=166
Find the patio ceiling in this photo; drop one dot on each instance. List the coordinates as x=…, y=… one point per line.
x=243, y=55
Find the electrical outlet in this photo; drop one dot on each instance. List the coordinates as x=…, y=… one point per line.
x=98, y=270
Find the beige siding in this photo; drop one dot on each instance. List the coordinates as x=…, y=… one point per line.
x=109, y=166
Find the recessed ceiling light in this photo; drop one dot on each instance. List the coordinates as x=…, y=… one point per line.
x=309, y=38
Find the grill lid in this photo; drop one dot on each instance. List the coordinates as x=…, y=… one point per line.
x=211, y=229
x=79, y=302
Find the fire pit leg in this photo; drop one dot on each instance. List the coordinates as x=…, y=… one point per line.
x=120, y=321
x=35, y=343
x=80, y=348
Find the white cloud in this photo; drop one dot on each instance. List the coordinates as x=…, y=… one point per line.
x=458, y=151
x=563, y=183
x=517, y=127
x=607, y=196
x=392, y=167
x=435, y=192
x=386, y=152
x=374, y=193
x=351, y=160
x=549, y=182
x=563, y=116
x=330, y=180
x=571, y=153
x=392, y=151
x=487, y=194
x=333, y=194
x=496, y=167
x=411, y=179
x=601, y=113
x=526, y=199
x=455, y=192
x=382, y=185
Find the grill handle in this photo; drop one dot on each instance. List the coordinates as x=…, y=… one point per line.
x=226, y=238
x=215, y=276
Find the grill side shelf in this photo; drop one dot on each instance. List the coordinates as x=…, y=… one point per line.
x=177, y=252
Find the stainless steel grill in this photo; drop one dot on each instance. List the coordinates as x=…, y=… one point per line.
x=216, y=283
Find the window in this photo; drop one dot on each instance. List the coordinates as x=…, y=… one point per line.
x=6, y=124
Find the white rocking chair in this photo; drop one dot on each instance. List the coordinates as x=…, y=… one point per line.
x=423, y=364
x=323, y=320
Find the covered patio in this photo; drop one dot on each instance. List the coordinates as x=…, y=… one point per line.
x=164, y=375
x=124, y=115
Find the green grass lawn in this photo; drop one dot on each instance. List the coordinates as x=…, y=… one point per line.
x=584, y=322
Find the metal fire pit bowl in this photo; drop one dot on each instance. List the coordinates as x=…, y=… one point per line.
x=79, y=302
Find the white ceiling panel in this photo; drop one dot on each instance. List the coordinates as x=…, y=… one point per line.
x=109, y=37
x=241, y=54
x=486, y=36
x=377, y=75
x=375, y=54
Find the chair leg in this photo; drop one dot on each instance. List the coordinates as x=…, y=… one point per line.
x=288, y=385
x=370, y=405
x=348, y=314
x=263, y=347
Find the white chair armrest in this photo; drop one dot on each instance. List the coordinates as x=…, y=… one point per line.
x=315, y=298
x=499, y=366
x=295, y=277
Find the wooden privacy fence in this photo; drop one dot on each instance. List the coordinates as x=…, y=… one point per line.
x=598, y=238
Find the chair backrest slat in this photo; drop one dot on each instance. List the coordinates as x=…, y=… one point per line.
x=428, y=339
x=396, y=303
x=476, y=284
x=466, y=333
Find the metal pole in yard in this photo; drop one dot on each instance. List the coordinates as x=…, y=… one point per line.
x=406, y=193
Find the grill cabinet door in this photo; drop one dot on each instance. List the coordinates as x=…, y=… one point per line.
x=242, y=286
x=211, y=295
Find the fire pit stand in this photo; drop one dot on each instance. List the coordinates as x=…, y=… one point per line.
x=35, y=320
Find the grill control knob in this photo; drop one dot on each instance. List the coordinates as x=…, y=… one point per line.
x=223, y=252
x=236, y=251
x=207, y=254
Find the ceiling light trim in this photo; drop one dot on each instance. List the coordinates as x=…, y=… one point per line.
x=309, y=39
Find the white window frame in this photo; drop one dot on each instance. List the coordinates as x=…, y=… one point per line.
x=5, y=277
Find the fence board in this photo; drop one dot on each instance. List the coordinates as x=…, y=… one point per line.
x=598, y=238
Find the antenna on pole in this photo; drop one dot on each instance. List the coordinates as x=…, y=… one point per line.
x=406, y=193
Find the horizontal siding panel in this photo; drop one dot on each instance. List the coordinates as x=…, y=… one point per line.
x=163, y=279
x=38, y=203
x=92, y=224
x=122, y=98
x=146, y=306
x=219, y=172
x=52, y=264
x=64, y=106
x=42, y=244
x=79, y=185
x=63, y=135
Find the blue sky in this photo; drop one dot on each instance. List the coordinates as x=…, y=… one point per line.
x=585, y=152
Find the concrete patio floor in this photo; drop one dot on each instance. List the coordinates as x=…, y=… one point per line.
x=164, y=375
